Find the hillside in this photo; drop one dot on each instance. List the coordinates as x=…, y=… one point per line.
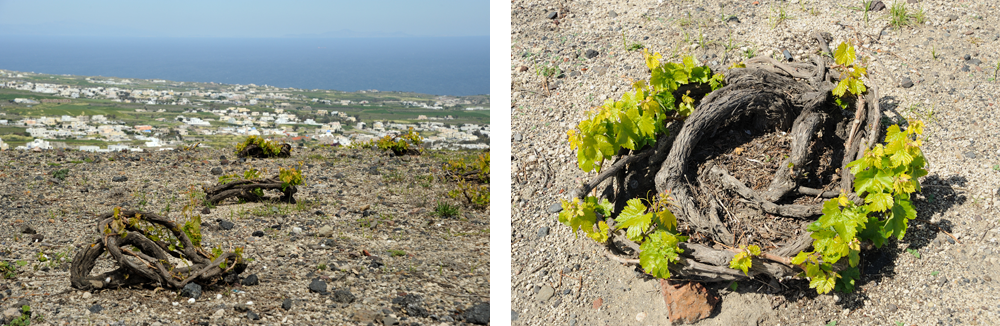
x=373, y=238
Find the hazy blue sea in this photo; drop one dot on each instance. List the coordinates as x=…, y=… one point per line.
x=441, y=65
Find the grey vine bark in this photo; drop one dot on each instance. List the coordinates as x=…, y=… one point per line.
x=251, y=191
x=142, y=260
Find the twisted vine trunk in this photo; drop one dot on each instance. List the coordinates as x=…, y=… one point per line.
x=766, y=96
x=151, y=262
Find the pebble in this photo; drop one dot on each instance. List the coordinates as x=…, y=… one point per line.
x=258, y=233
x=250, y=280
x=96, y=308
x=343, y=296
x=906, y=82
x=542, y=232
x=555, y=208
x=513, y=315
x=590, y=53
x=287, y=303
x=545, y=293
x=478, y=314
x=252, y=315
x=892, y=308
x=191, y=290
x=318, y=286
x=552, y=15
x=86, y=295
x=216, y=171
x=119, y=179
x=226, y=225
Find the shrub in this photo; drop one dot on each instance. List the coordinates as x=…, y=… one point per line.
x=402, y=144
x=257, y=146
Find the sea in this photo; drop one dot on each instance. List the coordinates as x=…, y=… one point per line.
x=456, y=66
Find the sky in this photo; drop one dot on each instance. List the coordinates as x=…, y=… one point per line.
x=245, y=18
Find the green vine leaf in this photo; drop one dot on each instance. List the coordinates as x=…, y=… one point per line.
x=658, y=251
x=844, y=54
x=635, y=219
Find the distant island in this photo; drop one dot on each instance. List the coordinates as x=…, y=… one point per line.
x=41, y=111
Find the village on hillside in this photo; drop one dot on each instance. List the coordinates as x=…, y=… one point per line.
x=160, y=115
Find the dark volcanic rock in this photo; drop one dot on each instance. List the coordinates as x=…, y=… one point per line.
x=191, y=290
x=119, y=179
x=250, y=280
x=590, y=53
x=287, y=304
x=96, y=308
x=216, y=171
x=226, y=225
x=479, y=314
x=318, y=286
x=343, y=296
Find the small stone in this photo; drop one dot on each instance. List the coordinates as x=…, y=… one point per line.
x=253, y=316
x=343, y=296
x=478, y=314
x=258, y=233
x=206, y=211
x=545, y=293
x=952, y=18
x=326, y=231
x=522, y=69
x=27, y=229
x=296, y=230
x=687, y=301
x=389, y=321
x=219, y=314
x=364, y=316
x=590, y=53
x=965, y=68
x=967, y=57
x=226, y=225
x=119, y=179
x=37, y=238
x=542, y=232
x=552, y=15
x=216, y=171
x=788, y=56
x=250, y=280
x=318, y=286
x=598, y=303
x=96, y=308
x=287, y=303
x=876, y=6
x=517, y=137
x=640, y=316
x=191, y=290
x=513, y=315
x=970, y=154
x=241, y=307
x=733, y=19
x=892, y=308
x=86, y=295
x=555, y=208
x=906, y=82
x=612, y=14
